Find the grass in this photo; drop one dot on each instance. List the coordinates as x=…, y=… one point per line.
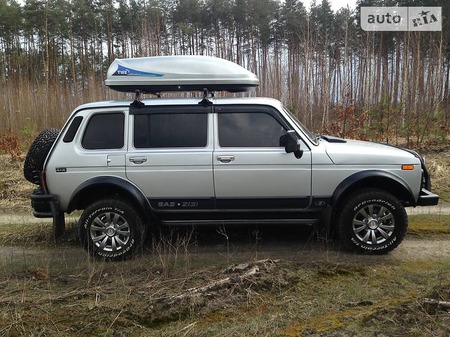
x=438, y=166
x=49, y=289
x=429, y=224
x=35, y=234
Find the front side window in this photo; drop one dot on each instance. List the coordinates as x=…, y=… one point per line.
x=169, y=130
x=249, y=129
x=104, y=131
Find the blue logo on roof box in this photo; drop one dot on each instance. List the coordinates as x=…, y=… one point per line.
x=124, y=71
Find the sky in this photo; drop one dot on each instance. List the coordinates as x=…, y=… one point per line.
x=335, y=4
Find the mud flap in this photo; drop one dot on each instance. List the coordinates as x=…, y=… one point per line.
x=324, y=229
x=59, y=222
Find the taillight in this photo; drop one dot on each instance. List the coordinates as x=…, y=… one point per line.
x=43, y=182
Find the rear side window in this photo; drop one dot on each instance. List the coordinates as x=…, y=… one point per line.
x=73, y=128
x=165, y=130
x=104, y=131
x=249, y=129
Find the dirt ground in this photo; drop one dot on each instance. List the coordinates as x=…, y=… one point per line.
x=239, y=281
x=265, y=283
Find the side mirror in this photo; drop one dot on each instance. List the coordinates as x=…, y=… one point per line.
x=291, y=143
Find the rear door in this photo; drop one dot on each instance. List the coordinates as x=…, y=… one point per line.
x=94, y=145
x=251, y=169
x=170, y=156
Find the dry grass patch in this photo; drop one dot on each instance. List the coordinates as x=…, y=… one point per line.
x=438, y=166
x=35, y=234
x=14, y=189
x=62, y=291
x=429, y=225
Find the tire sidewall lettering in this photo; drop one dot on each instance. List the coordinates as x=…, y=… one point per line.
x=127, y=249
x=374, y=201
x=360, y=244
x=99, y=211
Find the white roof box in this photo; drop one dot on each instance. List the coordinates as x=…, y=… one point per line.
x=178, y=73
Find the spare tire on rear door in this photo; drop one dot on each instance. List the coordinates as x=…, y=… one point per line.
x=38, y=152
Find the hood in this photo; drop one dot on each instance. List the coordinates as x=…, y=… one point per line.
x=366, y=153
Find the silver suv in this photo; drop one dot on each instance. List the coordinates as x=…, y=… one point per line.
x=209, y=161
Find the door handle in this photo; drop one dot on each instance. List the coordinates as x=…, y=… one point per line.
x=138, y=160
x=225, y=159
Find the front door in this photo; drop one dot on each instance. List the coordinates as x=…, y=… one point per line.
x=251, y=169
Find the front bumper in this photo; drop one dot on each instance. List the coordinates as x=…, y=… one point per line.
x=427, y=198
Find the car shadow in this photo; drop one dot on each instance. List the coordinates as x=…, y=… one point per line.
x=265, y=241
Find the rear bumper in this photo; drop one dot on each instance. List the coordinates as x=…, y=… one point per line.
x=47, y=206
x=427, y=198
x=44, y=205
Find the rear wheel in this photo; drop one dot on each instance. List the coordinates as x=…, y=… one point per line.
x=111, y=229
x=372, y=221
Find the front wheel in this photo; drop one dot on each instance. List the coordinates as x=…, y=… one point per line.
x=372, y=221
x=111, y=229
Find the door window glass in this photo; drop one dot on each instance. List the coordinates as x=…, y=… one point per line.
x=165, y=130
x=249, y=129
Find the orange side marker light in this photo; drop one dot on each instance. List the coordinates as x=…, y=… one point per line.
x=407, y=167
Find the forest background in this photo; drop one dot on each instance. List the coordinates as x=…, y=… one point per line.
x=338, y=79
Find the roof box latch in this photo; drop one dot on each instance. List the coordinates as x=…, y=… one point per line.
x=205, y=101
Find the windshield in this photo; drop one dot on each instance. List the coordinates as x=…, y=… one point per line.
x=311, y=136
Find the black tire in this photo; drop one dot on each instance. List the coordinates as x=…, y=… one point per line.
x=111, y=229
x=38, y=152
x=372, y=221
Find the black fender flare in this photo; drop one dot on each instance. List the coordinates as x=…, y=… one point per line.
x=397, y=186
x=106, y=183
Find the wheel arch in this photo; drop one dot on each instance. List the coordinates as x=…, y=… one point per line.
x=101, y=187
x=378, y=179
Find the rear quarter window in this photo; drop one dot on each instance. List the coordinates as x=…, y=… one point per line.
x=104, y=131
x=72, y=130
